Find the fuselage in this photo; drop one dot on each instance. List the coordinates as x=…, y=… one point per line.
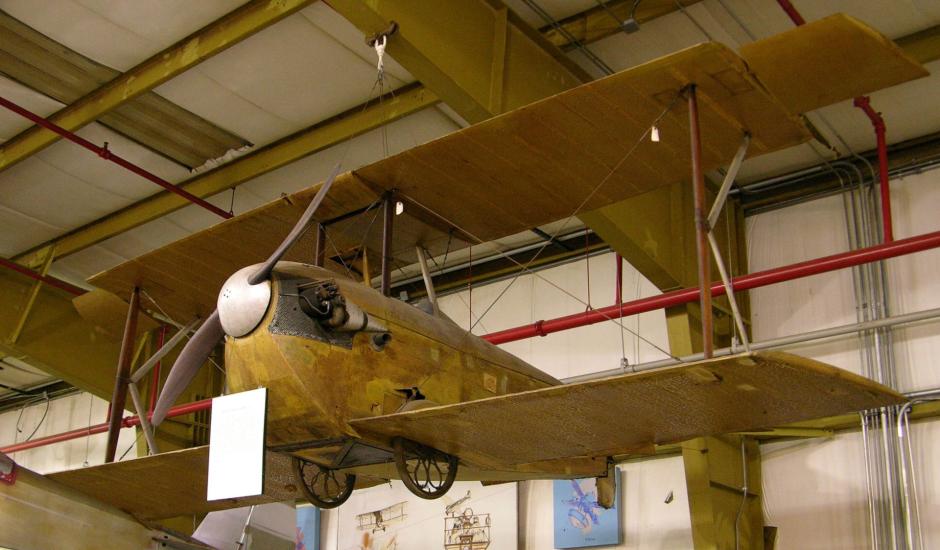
x=317, y=384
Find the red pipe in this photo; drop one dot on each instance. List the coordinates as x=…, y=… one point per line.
x=106, y=154
x=792, y=12
x=864, y=103
x=744, y=282
x=155, y=379
x=51, y=281
x=126, y=422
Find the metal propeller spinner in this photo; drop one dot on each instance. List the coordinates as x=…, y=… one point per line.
x=241, y=306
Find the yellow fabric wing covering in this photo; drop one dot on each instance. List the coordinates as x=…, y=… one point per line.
x=174, y=484
x=827, y=61
x=630, y=412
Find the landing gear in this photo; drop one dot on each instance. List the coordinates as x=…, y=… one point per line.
x=323, y=487
x=427, y=472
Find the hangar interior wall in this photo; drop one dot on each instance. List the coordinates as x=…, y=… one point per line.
x=814, y=490
x=71, y=412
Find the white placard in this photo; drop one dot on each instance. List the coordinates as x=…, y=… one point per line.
x=236, y=445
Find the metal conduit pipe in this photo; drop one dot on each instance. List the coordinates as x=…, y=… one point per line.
x=821, y=334
x=744, y=282
x=909, y=509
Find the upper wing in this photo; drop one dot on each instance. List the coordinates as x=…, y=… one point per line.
x=620, y=414
x=573, y=152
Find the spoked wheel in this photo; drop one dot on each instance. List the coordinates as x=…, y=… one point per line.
x=427, y=472
x=323, y=487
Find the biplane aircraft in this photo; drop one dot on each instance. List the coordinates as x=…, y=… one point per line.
x=363, y=387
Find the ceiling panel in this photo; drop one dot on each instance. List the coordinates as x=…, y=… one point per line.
x=19, y=231
x=12, y=123
x=118, y=33
x=307, y=68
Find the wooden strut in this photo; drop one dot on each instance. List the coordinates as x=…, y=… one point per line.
x=388, y=217
x=121, y=380
x=701, y=225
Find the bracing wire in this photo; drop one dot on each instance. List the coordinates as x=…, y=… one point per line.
x=525, y=268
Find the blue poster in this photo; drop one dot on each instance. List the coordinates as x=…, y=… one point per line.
x=579, y=520
x=308, y=528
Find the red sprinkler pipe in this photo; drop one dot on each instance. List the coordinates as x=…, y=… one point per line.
x=744, y=282
x=864, y=103
x=106, y=154
x=792, y=12
x=126, y=422
x=51, y=281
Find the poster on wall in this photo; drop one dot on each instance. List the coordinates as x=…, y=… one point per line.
x=469, y=517
x=308, y=528
x=580, y=522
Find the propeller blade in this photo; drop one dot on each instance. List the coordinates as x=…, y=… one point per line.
x=187, y=365
x=264, y=272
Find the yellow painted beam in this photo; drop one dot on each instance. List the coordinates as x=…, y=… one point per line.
x=924, y=46
x=197, y=47
x=463, y=51
x=714, y=473
x=278, y=154
x=55, y=338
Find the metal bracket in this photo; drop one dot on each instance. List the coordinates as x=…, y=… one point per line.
x=389, y=31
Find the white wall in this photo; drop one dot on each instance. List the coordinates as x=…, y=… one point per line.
x=532, y=297
x=815, y=490
x=71, y=412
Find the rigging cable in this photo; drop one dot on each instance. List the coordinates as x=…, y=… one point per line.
x=526, y=267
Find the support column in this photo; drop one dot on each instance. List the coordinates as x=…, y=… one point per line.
x=724, y=504
x=122, y=378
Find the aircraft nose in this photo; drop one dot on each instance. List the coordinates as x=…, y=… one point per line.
x=242, y=305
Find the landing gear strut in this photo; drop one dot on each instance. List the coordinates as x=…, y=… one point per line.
x=426, y=472
x=323, y=487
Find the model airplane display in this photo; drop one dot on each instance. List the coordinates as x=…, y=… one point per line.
x=363, y=387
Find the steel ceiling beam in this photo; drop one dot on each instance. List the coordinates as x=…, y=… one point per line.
x=192, y=50
x=477, y=56
x=292, y=148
